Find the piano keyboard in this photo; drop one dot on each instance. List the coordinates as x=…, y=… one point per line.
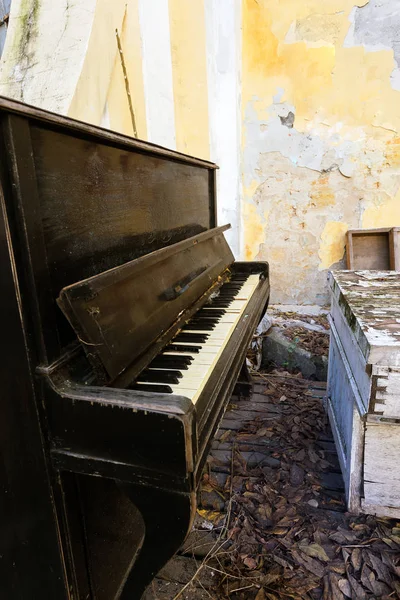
x=185, y=365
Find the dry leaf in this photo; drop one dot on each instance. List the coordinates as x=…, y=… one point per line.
x=344, y=587
x=313, y=455
x=315, y=551
x=333, y=593
x=300, y=455
x=279, y=531
x=260, y=595
x=356, y=559
x=264, y=514
x=225, y=436
x=359, y=592
x=282, y=562
x=250, y=563
x=296, y=475
x=310, y=564
x=380, y=569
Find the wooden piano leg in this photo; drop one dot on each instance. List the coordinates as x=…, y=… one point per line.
x=244, y=386
x=167, y=518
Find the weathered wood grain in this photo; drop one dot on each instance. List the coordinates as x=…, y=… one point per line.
x=381, y=465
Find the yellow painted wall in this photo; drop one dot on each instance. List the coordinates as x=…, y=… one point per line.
x=338, y=166
x=319, y=107
x=189, y=71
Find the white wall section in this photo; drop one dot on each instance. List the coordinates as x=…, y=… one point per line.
x=44, y=51
x=157, y=72
x=223, y=29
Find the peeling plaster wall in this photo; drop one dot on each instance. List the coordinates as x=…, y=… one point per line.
x=320, y=134
x=298, y=103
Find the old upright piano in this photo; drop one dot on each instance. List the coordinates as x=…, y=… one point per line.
x=125, y=322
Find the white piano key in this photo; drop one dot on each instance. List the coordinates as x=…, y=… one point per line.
x=195, y=377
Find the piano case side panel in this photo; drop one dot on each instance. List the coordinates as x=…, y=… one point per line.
x=31, y=564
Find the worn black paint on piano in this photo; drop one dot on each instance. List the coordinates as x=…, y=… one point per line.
x=101, y=441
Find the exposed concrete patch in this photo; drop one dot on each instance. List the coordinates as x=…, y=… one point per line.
x=298, y=339
x=316, y=29
x=285, y=353
x=376, y=27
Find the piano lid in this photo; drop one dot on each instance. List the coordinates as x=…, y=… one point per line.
x=120, y=313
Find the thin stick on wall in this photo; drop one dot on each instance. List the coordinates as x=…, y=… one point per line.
x=128, y=92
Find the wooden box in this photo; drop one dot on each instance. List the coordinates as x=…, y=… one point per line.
x=373, y=249
x=363, y=398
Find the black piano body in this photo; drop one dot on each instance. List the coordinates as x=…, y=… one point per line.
x=100, y=468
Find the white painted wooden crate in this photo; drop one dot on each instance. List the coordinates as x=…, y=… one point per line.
x=363, y=399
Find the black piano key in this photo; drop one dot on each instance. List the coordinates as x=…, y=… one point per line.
x=200, y=338
x=204, y=321
x=182, y=348
x=198, y=326
x=221, y=303
x=171, y=362
x=210, y=312
x=144, y=387
x=159, y=376
x=227, y=294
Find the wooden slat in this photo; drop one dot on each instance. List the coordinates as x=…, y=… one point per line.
x=381, y=472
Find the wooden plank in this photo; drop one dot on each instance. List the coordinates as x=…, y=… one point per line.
x=394, y=237
x=251, y=459
x=346, y=422
x=256, y=446
x=249, y=415
x=381, y=472
x=350, y=349
x=263, y=407
x=380, y=511
x=349, y=250
x=321, y=393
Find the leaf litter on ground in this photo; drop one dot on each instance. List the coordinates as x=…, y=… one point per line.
x=288, y=535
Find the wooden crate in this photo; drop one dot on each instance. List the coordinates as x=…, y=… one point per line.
x=374, y=249
x=363, y=398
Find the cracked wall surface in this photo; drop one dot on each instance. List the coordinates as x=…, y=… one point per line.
x=297, y=102
x=320, y=142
